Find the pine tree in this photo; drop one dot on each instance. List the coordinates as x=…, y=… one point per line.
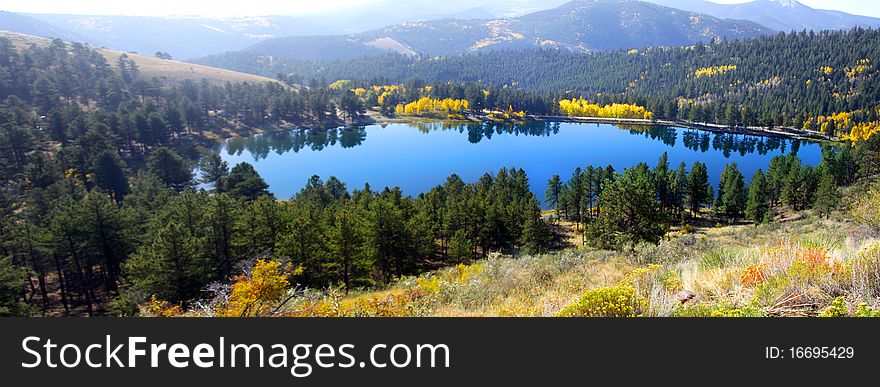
x=110, y=175
x=576, y=193
x=245, y=182
x=698, y=188
x=661, y=178
x=172, y=266
x=630, y=212
x=553, y=192
x=826, y=193
x=170, y=168
x=731, y=193
x=214, y=171
x=678, y=188
x=536, y=236
x=758, y=207
x=347, y=241
x=12, y=283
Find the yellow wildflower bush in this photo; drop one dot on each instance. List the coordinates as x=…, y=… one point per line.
x=840, y=308
x=612, y=301
x=257, y=294
x=717, y=310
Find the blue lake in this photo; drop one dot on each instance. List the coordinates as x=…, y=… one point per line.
x=417, y=157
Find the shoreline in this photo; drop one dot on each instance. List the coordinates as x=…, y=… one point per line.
x=791, y=133
x=779, y=132
x=373, y=118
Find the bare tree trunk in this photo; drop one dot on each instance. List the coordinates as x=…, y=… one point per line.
x=61, y=287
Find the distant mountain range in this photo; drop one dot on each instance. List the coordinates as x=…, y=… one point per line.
x=780, y=15
x=445, y=27
x=189, y=37
x=582, y=25
x=23, y=24
x=182, y=37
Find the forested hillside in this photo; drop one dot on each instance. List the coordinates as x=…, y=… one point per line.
x=90, y=151
x=800, y=79
x=103, y=213
x=100, y=211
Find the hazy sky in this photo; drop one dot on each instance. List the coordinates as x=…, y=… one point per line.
x=275, y=7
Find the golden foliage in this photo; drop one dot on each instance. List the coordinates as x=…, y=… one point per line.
x=158, y=308
x=861, y=67
x=713, y=71
x=431, y=106
x=340, y=84
x=583, y=108
x=843, y=122
x=863, y=131
x=257, y=294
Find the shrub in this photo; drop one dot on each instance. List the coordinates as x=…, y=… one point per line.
x=671, y=281
x=258, y=293
x=863, y=310
x=612, y=301
x=814, y=258
x=158, y=308
x=839, y=308
x=865, y=271
x=718, y=258
x=406, y=303
x=753, y=275
x=643, y=279
x=866, y=210
x=687, y=229
x=716, y=310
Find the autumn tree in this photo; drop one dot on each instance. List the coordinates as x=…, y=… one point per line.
x=258, y=292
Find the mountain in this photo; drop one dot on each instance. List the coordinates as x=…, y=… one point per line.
x=182, y=37
x=151, y=67
x=582, y=26
x=781, y=15
x=16, y=22
x=189, y=37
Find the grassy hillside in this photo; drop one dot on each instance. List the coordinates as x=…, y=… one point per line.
x=798, y=266
x=149, y=66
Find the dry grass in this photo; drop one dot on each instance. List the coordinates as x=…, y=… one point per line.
x=805, y=264
x=149, y=66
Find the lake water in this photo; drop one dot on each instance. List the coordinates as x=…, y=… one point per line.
x=417, y=157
